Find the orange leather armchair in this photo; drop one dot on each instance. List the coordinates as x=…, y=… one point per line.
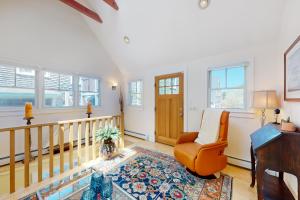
x=203, y=159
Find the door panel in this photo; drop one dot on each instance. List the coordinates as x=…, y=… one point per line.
x=169, y=108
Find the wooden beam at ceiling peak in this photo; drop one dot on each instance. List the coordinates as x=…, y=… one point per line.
x=82, y=9
x=112, y=3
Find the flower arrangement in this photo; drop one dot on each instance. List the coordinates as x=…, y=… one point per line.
x=107, y=133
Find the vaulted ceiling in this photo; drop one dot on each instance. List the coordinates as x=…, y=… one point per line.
x=166, y=32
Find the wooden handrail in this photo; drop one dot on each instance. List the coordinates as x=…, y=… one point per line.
x=90, y=125
x=27, y=126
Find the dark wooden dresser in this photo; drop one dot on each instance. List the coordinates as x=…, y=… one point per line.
x=279, y=151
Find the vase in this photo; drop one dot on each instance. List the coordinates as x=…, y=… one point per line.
x=108, y=148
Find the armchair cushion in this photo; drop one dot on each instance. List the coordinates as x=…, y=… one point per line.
x=187, y=153
x=210, y=126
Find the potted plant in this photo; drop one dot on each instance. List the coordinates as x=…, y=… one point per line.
x=107, y=136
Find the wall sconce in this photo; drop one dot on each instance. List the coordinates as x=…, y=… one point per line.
x=114, y=86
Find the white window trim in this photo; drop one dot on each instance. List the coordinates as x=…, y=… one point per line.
x=248, y=87
x=78, y=90
x=129, y=94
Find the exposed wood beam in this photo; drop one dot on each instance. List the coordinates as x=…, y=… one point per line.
x=112, y=3
x=84, y=10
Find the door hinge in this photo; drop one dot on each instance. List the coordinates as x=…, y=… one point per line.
x=154, y=109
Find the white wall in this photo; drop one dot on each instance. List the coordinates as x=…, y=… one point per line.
x=261, y=62
x=289, y=32
x=50, y=35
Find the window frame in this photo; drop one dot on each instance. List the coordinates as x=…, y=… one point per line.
x=130, y=92
x=36, y=87
x=43, y=90
x=245, y=65
x=78, y=90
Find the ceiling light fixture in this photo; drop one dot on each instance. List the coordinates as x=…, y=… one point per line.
x=203, y=3
x=126, y=39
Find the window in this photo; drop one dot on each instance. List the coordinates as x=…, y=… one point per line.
x=58, y=90
x=89, y=91
x=17, y=86
x=227, y=87
x=169, y=86
x=135, y=93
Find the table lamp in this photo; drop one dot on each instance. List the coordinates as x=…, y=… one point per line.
x=265, y=100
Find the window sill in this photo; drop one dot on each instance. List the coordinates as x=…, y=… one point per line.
x=19, y=112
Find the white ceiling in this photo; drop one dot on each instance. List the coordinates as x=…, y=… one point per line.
x=166, y=32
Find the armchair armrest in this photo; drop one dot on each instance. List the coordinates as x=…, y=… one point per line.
x=217, y=145
x=213, y=149
x=187, y=137
x=211, y=158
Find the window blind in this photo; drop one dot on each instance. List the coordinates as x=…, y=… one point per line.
x=55, y=81
x=17, y=77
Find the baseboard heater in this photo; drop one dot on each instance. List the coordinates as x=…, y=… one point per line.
x=136, y=134
x=239, y=162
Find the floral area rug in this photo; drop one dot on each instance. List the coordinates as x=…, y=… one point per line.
x=152, y=175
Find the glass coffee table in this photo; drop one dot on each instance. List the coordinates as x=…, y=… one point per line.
x=72, y=187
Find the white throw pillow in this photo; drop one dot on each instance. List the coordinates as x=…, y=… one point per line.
x=210, y=126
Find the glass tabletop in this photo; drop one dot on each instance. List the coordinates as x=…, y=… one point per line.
x=72, y=188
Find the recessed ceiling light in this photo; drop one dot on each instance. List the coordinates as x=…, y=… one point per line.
x=126, y=39
x=203, y=4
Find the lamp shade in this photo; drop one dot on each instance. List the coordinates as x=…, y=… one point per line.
x=265, y=99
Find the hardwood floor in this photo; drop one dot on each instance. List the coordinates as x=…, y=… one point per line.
x=241, y=177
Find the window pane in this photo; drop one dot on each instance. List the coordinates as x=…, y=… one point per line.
x=138, y=99
x=16, y=96
x=138, y=87
x=217, y=79
x=66, y=82
x=135, y=92
x=88, y=84
x=161, y=82
x=57, y=98
x=175, y=81
x=133, y=87
x=236, y=77
x=175, y=90
x=168, y=82
x=230, y=98
x=133, y=99
x=162, y=91
x=25, y=78
x=168, y=90
x=94, y=85
x=7, y=76
x=51, y=81
x=86, y=97
x=83, y=84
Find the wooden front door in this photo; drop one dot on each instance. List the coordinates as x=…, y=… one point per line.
x=168, y=108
